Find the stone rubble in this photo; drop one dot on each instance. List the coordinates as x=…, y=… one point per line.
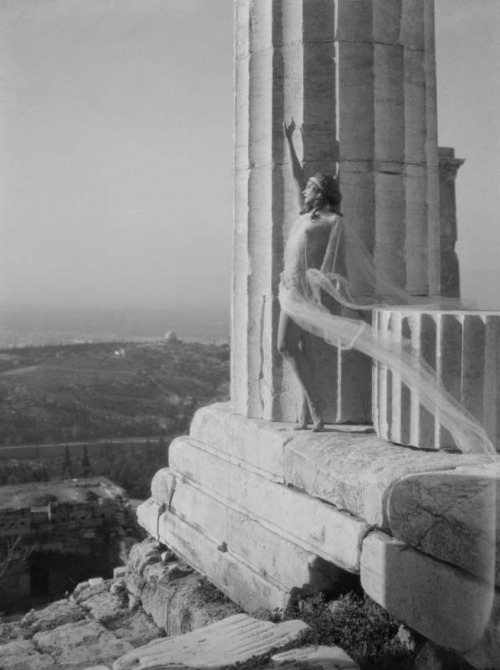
x=237, y=639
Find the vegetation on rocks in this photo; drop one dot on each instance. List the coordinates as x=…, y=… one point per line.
x=357, y=625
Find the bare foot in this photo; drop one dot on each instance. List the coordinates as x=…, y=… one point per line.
x=301, y=426
x=317, y=416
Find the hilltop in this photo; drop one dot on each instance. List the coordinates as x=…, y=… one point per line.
x=109, y=390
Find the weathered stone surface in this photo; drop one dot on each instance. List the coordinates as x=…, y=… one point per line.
x=135, y=627
x=309, y=523
x=251, y=441
x=55, y=614
x=234, y=640
x=75, y=645
x=319, y=657
x=28, y=662
x=172, y=596
x=241, y=583
x=442, y=603
x=356, y=473
x=452, y=516
x=105, y=607
x=18, y=648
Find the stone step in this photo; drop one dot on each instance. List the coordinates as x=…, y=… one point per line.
x=269, y=552
x=241, y=582
x=226, y=643
x=304, y=521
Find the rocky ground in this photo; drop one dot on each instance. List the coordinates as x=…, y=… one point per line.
x=156, y=599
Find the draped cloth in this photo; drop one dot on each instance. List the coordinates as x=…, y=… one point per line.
x=349, y=276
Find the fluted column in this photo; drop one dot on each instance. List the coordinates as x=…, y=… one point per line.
x=359, y=75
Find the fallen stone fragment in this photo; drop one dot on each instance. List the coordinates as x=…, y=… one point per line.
x=56, y=614
x=96, y=581
x=105, y=607
x=80, y=644
x=135, y=627
x=30, y=662
x=224, y=644
x=315, y=657
x=23, y=655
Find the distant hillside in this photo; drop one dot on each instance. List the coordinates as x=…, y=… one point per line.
x=33, y=325
x=107, y=390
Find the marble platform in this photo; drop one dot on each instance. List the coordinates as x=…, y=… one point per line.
x=263, y=510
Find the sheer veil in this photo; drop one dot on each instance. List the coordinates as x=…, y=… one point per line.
x=349, y=276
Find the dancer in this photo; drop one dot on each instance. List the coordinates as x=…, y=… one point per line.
x=325, y=257
x=318, y=202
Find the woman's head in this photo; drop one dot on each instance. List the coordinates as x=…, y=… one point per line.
x=322, y=192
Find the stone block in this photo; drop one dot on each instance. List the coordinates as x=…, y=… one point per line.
x=228, y=643
x=309, y=523
x=248, y=440
x=442, y=603
x=356, y=472
x=243, y=585
x=452, y=516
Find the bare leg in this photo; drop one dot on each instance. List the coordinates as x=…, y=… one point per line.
x=290, y=344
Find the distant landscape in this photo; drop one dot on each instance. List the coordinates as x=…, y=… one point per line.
x=104, y=392
x=35, y=325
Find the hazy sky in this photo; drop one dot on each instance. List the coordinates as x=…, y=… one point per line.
x=116, y=146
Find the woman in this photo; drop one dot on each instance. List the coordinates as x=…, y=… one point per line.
x=324, y=257
x=311, y=236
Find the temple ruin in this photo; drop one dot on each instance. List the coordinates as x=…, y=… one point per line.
x=262, y=510
x=54, y=535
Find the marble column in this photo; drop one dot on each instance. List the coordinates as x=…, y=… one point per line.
x=450, y=271
x=359, y=75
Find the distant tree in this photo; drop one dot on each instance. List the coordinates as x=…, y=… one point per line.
x=67, y=468
x=86, y=465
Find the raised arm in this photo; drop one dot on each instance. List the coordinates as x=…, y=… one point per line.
x=296, y=172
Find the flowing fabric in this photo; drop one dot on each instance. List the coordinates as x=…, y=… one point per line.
x=348, y=276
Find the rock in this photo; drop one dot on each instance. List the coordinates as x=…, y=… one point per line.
x=106, y=606
x=55, y=614
x=170, y=593
x=18, y=648
x=119, y=571
x=96, y=581
x=315, y=657
x=31, y=662
x=90, y=592
x=143, y=554
x=135, y=627
x=234, y=640
x=78, y=589
x=76, y=645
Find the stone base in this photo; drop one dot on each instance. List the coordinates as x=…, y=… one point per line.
x=263, y=510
